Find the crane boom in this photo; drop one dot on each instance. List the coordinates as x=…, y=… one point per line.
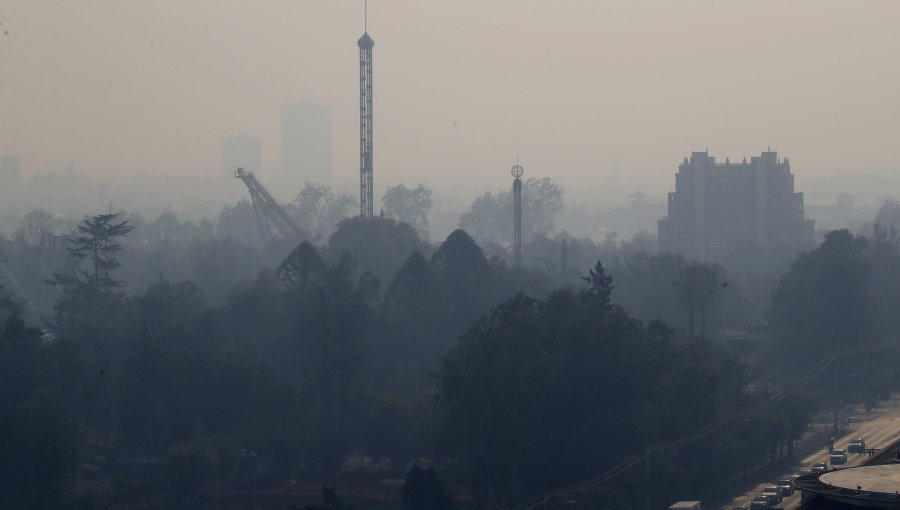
x=269, y=213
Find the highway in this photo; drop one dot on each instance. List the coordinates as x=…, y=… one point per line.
x=879, y=432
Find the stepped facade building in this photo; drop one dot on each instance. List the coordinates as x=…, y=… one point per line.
x=722, y=211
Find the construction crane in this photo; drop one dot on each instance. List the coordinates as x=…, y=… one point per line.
x=269, y=214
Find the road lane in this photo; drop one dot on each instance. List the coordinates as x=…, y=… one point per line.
x=878, y=432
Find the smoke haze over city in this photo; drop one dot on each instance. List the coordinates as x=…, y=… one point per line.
x=456, y=255
x=462, y=88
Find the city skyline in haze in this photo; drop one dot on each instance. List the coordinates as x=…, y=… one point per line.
x=461, y=88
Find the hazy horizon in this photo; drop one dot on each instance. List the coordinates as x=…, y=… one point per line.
x=461, y=88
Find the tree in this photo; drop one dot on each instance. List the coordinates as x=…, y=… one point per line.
x=239, y=222
x=424, y=490
x=187, y=467
x=218, y=265
x=696, y=286
x=303, y=268
x=490, y=217
x=379, y=245
x=8, y=304
x=319, y=209
x=465, y=277
x=91, y=294
x=409, y=206
x=330, y=501
x=39, y=441
x=90, y=306
x=146, y=395
x=889, y=216
x=415, y=308
x=600, y=285
x=822, y=303
x=545, y=393
x=97, y=242
x=331, y=319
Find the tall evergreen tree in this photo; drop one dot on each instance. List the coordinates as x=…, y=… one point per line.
x=97, y=243
x=601, y=285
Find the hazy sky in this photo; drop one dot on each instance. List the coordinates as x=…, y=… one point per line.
x=461, y=86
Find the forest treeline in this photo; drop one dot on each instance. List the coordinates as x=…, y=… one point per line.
x=178, y=368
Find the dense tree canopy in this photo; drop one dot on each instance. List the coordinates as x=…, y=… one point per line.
x=196, y=367
x=821, y=304
x=544, y=393
x=489, y=217
x=409, y=206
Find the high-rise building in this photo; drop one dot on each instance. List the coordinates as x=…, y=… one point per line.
x=721, y=209
x=10, y=177
x=241, y=151
x=10, y=171
x=305, y=144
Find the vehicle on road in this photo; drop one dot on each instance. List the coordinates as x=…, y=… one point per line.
x=686, y=505
x=819, y=467
x=773, y=491
x=856, y=446
x=786, y=487
x=838, y=457
x=760, y=503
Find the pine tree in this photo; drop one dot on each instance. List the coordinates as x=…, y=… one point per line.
x=90, y=294
x=601, y=285
x=96, y=243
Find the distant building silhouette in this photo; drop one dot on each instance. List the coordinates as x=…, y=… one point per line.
x=305, y=145
x=845, y=201
x=719, y=210
x=10, y=171
x=241, y=151
x=842, y=213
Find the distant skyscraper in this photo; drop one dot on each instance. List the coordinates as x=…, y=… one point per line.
x=241, y=151
x=305, y=144
x=10, y=170
x=719, y=211
x=10, y=176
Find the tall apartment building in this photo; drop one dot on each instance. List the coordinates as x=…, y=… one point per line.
x=305, y=144
x=720, y=209
x=241, y=151
x=10, y=176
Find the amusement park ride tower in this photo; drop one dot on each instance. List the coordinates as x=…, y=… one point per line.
x=517, y=172
x=365, y=44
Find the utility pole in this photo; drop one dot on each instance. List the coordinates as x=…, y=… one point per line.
x=834, y=383
x=647, y=480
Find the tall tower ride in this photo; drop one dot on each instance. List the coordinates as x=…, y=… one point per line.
x=366, y=202
x=517, y=172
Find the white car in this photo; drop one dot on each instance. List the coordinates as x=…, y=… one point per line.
x=838, y=457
